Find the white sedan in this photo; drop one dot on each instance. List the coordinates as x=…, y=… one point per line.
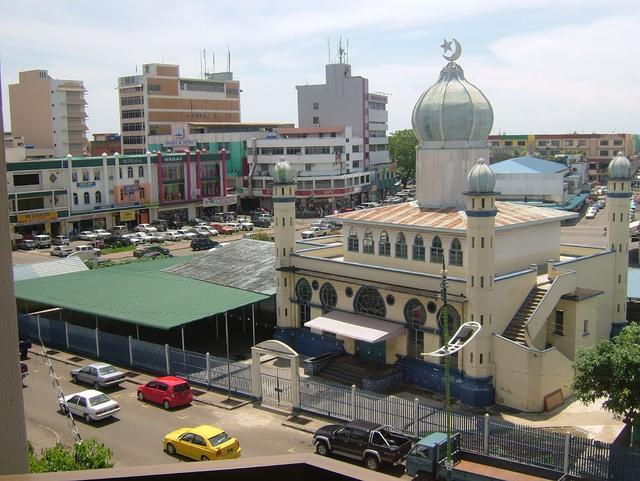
x=187, y=234
x=91, y=405
x=88, y=235
x=172, y=235
x=147, y=228
x=102, y=233
x=591, y=214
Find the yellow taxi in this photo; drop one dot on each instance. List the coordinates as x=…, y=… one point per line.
x=202, y=443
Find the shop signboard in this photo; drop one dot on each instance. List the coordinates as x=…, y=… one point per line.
x=37, y=217
x=218, y=201
x=127, y=215
x=85, y=185
x=131, y=188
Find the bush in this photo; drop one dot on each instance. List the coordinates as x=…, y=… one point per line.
x=89, y=454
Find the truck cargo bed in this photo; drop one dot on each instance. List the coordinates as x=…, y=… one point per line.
x=491, y=472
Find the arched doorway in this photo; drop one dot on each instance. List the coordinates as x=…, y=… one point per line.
x=275, y=385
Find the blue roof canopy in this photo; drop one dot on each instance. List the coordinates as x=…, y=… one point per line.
x=527, y=165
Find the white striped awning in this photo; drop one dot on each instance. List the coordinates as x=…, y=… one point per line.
x=356, y=326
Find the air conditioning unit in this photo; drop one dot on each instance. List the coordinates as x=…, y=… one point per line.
x=111, y=177
x=136, y=181
x=316, y=125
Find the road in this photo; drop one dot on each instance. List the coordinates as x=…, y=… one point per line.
x=136, y=435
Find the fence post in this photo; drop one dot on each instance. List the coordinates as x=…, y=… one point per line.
x=66, y=333
x=130, y=351
x=97, y=345
x=567, y=445
x=486, y=433
x=208, y=367
x=353, y=402
x=166, y=358
x=416, y=417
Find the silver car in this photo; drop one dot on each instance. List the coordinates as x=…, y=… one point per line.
x=90, y=404
x=98, y=374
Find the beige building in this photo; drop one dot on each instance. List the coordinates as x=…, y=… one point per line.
x=49, y=113
x=151, y=102
x=376, y=290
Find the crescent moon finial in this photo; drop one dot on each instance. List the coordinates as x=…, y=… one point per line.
x=457, y=50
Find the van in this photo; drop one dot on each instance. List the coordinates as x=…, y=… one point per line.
x=119, y=229
x=42, y=241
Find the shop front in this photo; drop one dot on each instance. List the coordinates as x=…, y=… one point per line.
x=30, y=224
x=214, y=205
x=131, y=217
x=180, y=214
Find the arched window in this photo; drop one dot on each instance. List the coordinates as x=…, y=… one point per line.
x=130, y=172
x=87, y=198
x=418, y=248
x=455, y=253
x=436, y=253
x=352, y=241
x=369, y=301
x=367, y=242
x=401, y=246
x=75, y=199
x=328, y=297
x=98, y=197
x=384, y=246
x=141, y=171
x=416, y=316
x=453, y=320
x=303, y=294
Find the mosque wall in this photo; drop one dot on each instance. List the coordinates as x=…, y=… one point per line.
x=508, y=295
x=578, y=328
x=518, y=248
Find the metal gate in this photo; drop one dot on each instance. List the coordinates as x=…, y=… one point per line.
x=276, y=388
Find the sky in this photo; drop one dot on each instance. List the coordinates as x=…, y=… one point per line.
x=546, y=66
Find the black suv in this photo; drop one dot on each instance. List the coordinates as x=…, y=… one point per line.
x=203, y=243
x=151, y=251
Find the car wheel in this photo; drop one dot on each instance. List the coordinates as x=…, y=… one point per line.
x=322, y=449
x=64, y=409
x=141, y=395
x=74, y=379
x=204, y=458
x=166, y=405
x=96, y=386
x=171, y=449
x=87, y=418
x=372, y=463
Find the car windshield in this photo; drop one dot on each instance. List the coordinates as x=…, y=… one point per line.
x=181, y=387
x=219, y=439
x=99, y=399
x=107, y=370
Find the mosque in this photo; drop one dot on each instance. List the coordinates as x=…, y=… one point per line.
x=375, y=293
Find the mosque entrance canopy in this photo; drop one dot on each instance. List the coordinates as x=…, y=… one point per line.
x=356, y=326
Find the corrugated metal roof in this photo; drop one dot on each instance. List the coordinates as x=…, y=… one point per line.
x=245, y=264
x=633, y=283
x=138, y=293
x=409, y=213
x=310, y=130
x=47, y=269
x=527, y=165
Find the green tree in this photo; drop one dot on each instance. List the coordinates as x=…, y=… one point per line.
x=611, y=370
x=262, y=236
x=89, y=454
x=402, y=150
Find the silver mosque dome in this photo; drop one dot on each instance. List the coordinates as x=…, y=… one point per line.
x=481, y=179
x=283, y=173
x=619, y=167
x=453, y=112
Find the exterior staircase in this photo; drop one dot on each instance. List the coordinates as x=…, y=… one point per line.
x=341, y=372
x=515, y=331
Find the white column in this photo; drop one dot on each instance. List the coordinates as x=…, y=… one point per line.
x=105, y=177
x=149, y=179
x=71, y=185
x=256, y=381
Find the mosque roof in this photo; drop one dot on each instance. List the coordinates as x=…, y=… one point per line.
x=527, y=165
x=410, y=214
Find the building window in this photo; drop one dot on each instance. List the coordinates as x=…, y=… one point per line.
x=98, y=197
x=604, y=153
x=96, y=175
x=120, y=172
x=401, y=246
x=585, y=327
x=352, y=241
x=87, y=198
x=617, y=142
x=508, y=143
x=455, y=253
x=384, y=247
x=436, y=253
x=315, y=120
x=328, y=297
x=141, y=171
x=85, y=176
x=418, y=248
x=74, y=177
x=521, y=143
x=559, y=323
x=130, y=172
x=75, y=199
x=369, y=301
x=316, y=105
x=416, y=317
x=604, y=142
x=154, y=88
x=303, y=294
x=141, y=192
x=367, y=243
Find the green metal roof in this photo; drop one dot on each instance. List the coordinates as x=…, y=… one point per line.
x=138, y=293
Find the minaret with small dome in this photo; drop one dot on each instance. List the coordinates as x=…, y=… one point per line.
x=451, y=120
x=618, y=195
x=480, y=265
x=284, y=212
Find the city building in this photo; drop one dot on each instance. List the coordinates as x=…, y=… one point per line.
x=152, y=101
x=531, y=179
x=375, y=292
x=107, y=143
x=49, y=113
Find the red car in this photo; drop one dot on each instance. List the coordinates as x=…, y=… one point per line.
x=170, y=391
x=222, y=229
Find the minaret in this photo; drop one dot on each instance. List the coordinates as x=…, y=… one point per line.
x=480, y=265
x=284, y=211
x=618, y=194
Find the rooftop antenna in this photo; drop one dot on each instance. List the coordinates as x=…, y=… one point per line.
x=213, y=60
x=228, y=59
x=340, y=51
x=200, y=58
x=204, y=56
x=347, y=55
x=329, y=48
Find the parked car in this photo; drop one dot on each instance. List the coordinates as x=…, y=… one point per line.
x=27, y=244
x=98, y=374
x=306, y=214
x=173, y=235
x=42, y=241
x=246, y=225
x=208, y=228
x=61, y=251
x=119, y=229
x=262, y=222
x=222, y=229
x=24, y=346
x=151, y=251
x=591, y=214
x=169, y=391
x=145, y=237
x=102, y=233
x=235, y=226
x=60, y=240
x=88, y=235
x=344, y=210
x=201, y=232
x=314, y=231
x=203, y=443
x=132, y=238
x=187, y=234
x=88, y=248
x=160, y=224
x=147, y=228
x=371, y=442
x=92, y=405
x=156, y=237
x=24, y=370
x=203, y=243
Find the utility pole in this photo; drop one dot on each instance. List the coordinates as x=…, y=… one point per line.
x=447, y=365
